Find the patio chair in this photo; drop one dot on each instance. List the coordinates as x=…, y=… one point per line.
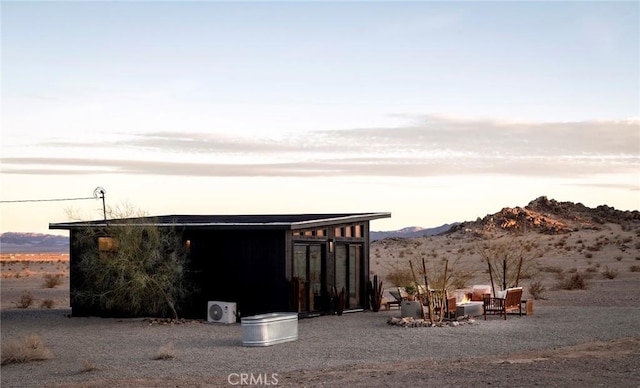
x=397, y=296
x=442, y=303
x=511, y=302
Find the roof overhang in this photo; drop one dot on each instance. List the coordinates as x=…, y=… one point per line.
x=229, y=222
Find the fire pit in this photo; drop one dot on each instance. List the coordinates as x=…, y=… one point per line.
x=471, y=309
x=468, y=307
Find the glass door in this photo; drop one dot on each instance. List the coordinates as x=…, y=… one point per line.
x=348, y=261
x=307, y=273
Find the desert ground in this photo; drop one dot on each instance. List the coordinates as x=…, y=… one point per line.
x=575, y=337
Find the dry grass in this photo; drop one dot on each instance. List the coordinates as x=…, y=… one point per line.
x=30, y=348
x=166, y=352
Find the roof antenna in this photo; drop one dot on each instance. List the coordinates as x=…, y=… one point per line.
x=99, y=192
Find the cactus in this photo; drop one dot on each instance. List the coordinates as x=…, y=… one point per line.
x=375, y=294
x=339, y=299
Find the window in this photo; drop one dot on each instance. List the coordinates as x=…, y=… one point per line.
x=310, y=233
x=107, y=244
x=349, y=231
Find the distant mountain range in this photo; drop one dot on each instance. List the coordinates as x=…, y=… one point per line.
x=412, y=231
x=12, y=242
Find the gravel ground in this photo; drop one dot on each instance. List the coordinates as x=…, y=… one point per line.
x=569, y=341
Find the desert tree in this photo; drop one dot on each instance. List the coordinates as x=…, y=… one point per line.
x=507, y=259
x=130, y=266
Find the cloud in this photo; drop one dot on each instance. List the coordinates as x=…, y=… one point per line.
x=427, y=146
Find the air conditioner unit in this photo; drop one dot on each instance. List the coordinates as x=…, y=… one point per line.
x=221, y=312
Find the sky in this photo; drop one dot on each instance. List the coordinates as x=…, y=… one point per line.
x=437, y=112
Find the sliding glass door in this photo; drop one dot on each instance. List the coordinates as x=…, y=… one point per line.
x=307, y=270
x=348, y=261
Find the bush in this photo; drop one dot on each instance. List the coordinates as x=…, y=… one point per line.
x=47, y=303
x=133, y=270
x=52, y=280
x=26, y=300
x=537, y=289
x=28, y=349
x=610, y=273
x=399, y=276
x=88, y=366
x=634, y=268
x=575, y=282
x=165, y=352
x=551, y=269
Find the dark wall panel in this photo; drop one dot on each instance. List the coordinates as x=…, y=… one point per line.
x=245, y=267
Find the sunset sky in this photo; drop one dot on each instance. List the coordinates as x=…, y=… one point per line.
x=435, y=112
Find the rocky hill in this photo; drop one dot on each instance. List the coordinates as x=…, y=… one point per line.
x=558, y=239
x=12, y=242
x=548, y=216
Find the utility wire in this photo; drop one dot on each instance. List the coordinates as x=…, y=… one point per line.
x=49, y=200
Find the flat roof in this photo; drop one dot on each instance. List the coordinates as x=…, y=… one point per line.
x=247, y=221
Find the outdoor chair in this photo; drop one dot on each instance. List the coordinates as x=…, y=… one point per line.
x=442, y=303
x=509, y=301
x=397, y=296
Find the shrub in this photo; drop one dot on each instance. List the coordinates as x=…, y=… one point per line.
x=26, y=300
x=52, y=280
x=634, y=268
x=399, y=276
x=575, y=282
x=588, y=255
x=610, y=273
x=165, y=352
x=537, y=289
x=88, y=366
x=552, y=269
x=138, y=270
x=618, y=258
x=28, y=349
x=47, y=303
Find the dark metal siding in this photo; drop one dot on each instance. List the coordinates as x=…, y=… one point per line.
x=246, y=267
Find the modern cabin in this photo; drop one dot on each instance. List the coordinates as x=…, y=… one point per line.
x=263, y=263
